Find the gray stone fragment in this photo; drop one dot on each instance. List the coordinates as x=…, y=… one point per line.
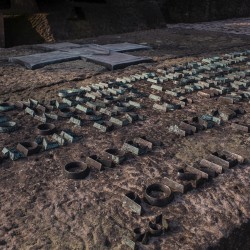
x=155, y=97
x=132, y=205
x=68, y=136
x=51, y=116
x=76, y=121
x=42, y=119
x=36, y=61
x=135, y=104
x=103, y=126
x=49, y=145
x=120, y=122
x=30, y=111
x=59, y=139
x=84, y=109
x=116, y=60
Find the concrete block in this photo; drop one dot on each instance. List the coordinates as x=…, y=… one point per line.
x=116, y=60
x=36, y=61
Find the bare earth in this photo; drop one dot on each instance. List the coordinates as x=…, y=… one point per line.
x=41, y=209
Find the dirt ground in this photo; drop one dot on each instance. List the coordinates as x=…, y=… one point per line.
x=41, y=209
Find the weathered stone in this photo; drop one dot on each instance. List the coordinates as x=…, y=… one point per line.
x=119, y=122
x=84, y=109
x=49, y=145
x=116, y=60
x=103, y=126
x=155, y=97
x=68, y=136
x=36, y=61
x=77, y=121
x=59, y=139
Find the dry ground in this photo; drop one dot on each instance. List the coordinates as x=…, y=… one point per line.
x=40, y=209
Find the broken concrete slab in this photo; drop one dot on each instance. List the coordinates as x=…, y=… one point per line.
x=116, y=60
x=40, y=60
x=125, y=47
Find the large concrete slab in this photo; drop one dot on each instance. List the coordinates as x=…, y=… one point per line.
x=36, y=61
x=88, y=49
x=116, y=60
x=125, y=47
x=58, y=46
x=2, y=37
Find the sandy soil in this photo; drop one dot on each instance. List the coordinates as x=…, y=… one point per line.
x=40, y=209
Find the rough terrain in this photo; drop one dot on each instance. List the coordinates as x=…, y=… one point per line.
x=40, y=209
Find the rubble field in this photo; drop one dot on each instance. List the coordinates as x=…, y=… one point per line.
x=163, y=147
